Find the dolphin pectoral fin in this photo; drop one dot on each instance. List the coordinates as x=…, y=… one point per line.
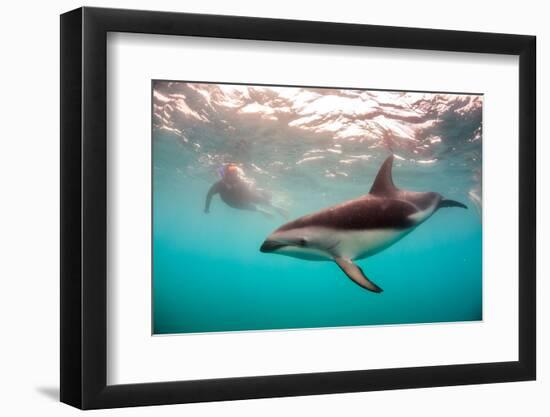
x=356, y=274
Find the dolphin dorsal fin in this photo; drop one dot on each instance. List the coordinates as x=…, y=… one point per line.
x=383, y=183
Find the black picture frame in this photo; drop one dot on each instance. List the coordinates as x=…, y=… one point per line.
x=84, y=207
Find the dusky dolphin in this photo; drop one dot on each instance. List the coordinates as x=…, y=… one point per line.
x=359, y=228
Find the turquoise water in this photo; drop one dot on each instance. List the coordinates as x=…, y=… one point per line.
x=208, y=272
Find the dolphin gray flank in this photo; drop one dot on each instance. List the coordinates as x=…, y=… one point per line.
x=359, y=228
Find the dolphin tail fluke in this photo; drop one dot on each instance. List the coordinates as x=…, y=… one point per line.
x=451, y=203
x=356, y=274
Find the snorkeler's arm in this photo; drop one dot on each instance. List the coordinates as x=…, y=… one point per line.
x=215, y=189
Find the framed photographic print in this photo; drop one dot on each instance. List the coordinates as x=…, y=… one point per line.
x=257, y=208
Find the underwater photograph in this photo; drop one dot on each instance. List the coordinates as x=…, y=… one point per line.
x=290, y=207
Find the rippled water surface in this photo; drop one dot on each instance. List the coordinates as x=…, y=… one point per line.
x=311, y=148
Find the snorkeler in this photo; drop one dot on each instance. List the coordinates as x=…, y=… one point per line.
x=239, y=192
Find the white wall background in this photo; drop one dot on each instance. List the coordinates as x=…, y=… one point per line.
x=29, y=226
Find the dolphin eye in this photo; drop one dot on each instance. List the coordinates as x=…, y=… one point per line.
x=302, y=242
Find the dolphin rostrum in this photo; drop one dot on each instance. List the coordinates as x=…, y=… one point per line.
x=359, y=228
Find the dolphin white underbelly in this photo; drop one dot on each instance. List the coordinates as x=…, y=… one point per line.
x=352, y=245
x=362, y=244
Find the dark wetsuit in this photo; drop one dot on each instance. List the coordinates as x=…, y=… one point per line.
x=239, y=192
x=240, y=195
